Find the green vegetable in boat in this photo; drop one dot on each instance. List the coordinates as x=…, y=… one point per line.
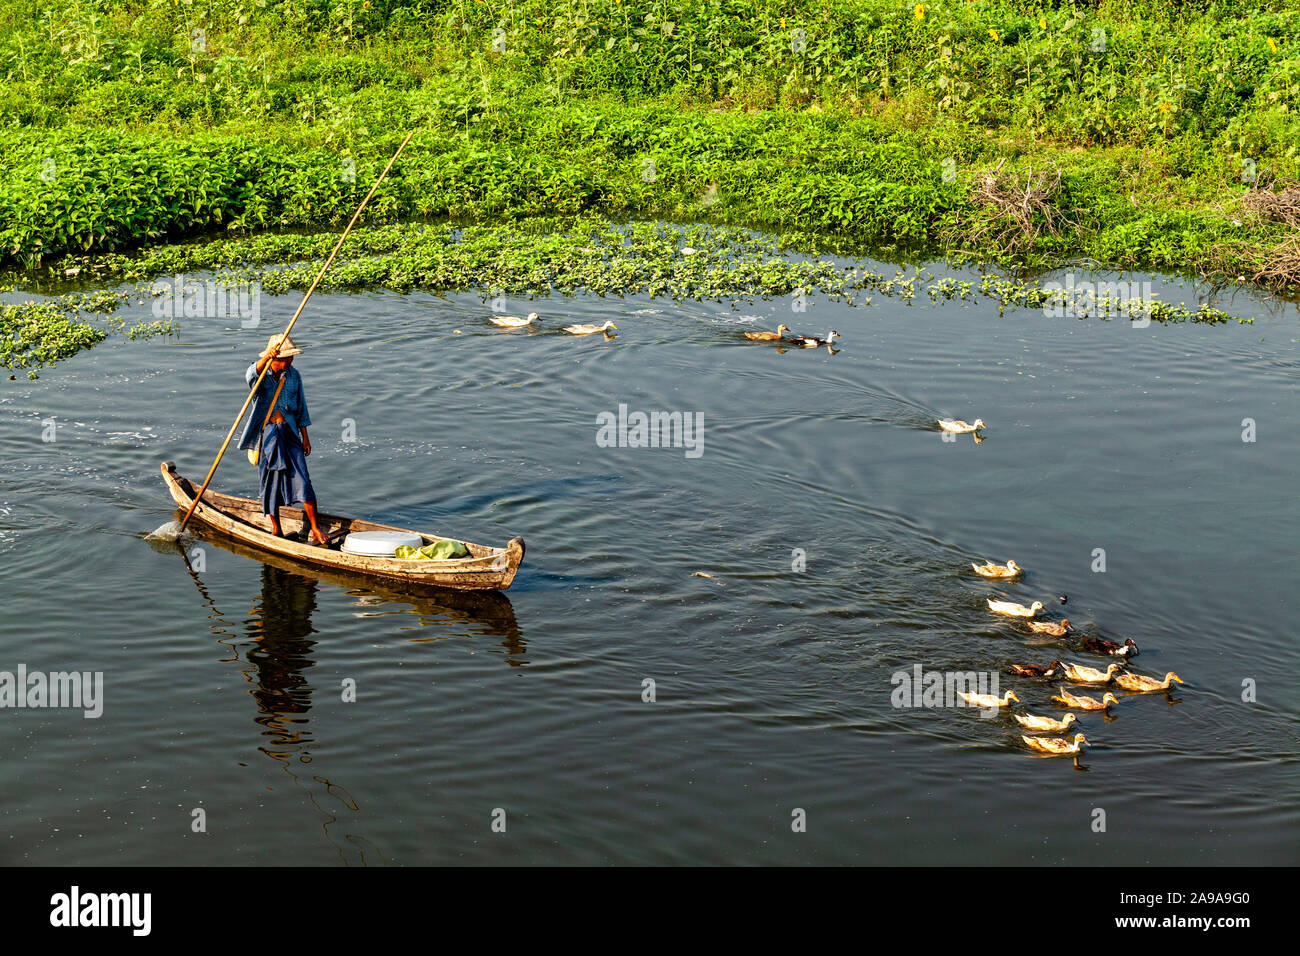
x=440, y=550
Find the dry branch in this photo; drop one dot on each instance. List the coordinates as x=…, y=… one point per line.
x=1271, y=204
x=1280, y=269
x=1018, y=208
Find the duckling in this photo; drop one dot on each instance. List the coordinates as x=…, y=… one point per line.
x=513, y=321
x=812, y=342
x=1031, y=722
x=1066, y=699
x=589, y=329
x=990, y=570
x=1099, y=645
x=988, y=701
x=1141, y=684
x=1034, y=670
x=1054, y=628
x=960, y=427
x=1013, y=609
x=768, y=336
x=1090, y=675
x=1055, y=745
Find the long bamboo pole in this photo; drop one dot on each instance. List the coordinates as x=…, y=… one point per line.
x=320, y=275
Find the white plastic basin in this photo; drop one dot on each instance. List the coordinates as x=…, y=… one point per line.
x=378, y=544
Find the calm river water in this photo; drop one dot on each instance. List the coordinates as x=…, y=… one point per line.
x=772, y=686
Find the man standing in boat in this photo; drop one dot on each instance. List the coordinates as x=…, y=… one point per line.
x=280, y=434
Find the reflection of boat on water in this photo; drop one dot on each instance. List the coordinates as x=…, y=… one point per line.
x=485, y=569
x=274, y=648
x=489, y=612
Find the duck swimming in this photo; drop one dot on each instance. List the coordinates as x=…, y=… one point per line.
x=1034, y=670
x=1066, y=699
x=812, y=342
x=1044, y=723
x=1054, y=628
x=1141, y=684
x=589, y=329
x=513, y=321
x=990, y=570
x=1090, y=675
x=988, y=701
x=1099, y=645
x=768, y=336
x=1055, y=745
x=1012, y=609
x=960, y=427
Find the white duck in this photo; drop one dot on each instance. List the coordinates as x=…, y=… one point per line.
x=589, y=329
x=988, y=701
x=960, y=427
x=1090, y=675
x=1012, y=609
x=1141, y=684
x=990, y=570
x=1055, y=745
x=1032, y=722
x=513, y=321
x=1065, y=699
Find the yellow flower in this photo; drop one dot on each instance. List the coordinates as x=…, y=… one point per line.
x=1042, y=23
x=919, y=10
x=993, y=33
x=1272, y=44
x=783, y=23
x=1166, y=108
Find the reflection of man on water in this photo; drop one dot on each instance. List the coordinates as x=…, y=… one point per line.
x=282, y=458
x=282, y=629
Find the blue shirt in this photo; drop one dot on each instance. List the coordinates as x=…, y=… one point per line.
x=292, y=403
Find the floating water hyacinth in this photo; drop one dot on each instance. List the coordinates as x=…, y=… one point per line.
x=553, y=255
x=33, y=335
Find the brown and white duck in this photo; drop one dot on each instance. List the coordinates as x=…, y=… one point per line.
x=1035, y=670
x=1099, y=645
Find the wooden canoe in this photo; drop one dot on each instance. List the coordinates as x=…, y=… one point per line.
x=486, y=569
x=488, y=611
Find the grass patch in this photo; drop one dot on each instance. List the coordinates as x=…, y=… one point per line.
x=1125, y=134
